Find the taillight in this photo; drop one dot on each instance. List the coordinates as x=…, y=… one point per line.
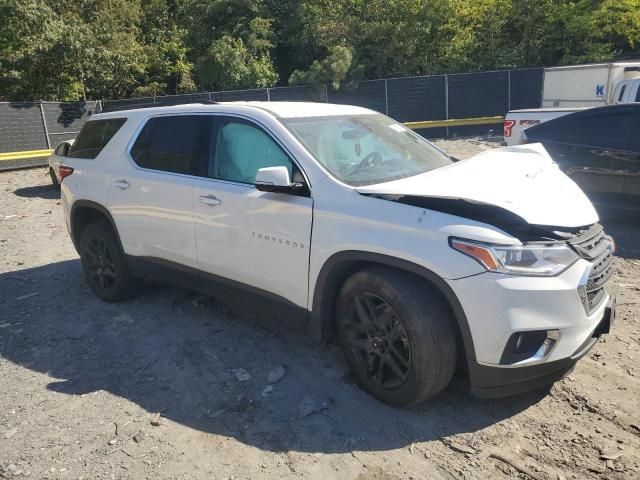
x=508, y=125
x=64, y=171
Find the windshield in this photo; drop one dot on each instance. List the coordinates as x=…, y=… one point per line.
x=366, y=149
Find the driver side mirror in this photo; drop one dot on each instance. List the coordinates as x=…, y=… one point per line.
x=276, y=179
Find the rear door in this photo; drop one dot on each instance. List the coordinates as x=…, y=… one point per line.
x=258, y=239
x=151, y=196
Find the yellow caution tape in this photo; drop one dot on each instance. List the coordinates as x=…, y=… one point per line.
x=25, y=154
x=454, y=122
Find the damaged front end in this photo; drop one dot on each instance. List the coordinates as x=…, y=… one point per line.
x=499, y=217
x=587, y=242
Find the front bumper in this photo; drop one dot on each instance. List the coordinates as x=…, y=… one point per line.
x=501, y=381
x=496, y=306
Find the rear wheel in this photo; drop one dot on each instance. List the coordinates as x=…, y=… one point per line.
x=104, y=264
x=397, y=336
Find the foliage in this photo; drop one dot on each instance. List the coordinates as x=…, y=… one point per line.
x=75, y=49
x=230, y=65
x=231, y=41
x=333, y=69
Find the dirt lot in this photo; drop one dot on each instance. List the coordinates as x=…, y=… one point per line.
x=174, y=385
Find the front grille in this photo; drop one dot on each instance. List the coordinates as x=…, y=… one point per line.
x=594, y=246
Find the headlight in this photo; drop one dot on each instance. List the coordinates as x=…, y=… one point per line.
x=534, y=260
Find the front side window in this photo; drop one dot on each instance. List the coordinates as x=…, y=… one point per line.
x=366, y=149
x=94, y=136
x=173, y=144
x=242, y=148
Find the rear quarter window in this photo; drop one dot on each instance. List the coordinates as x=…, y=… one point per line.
x=94, y=136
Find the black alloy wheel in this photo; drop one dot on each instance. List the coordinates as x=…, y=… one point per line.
x=100, y=262
x=378, y=340
x=104, y=264
x=397, y=334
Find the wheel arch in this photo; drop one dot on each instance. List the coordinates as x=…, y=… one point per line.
x=84, y=212
x=342, y=265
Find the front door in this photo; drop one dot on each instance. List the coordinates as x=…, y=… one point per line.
x=255, y=238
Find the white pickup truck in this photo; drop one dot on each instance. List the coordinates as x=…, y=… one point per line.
x=569, y=89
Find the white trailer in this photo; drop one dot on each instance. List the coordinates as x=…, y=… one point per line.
x=568, y=89
x=587, y=85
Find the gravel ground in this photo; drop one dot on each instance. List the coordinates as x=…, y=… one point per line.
x=174, y=385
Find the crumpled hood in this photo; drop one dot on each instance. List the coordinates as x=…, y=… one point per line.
x=523, y=180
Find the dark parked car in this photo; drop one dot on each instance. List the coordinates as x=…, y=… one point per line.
x=599, y=149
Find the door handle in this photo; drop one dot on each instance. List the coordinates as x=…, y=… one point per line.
x=211, y=200
x=121, y=184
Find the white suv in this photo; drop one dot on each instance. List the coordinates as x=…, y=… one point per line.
x=357, y=227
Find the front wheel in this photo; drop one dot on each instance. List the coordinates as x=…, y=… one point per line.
x=397, y=336
x=103, y=263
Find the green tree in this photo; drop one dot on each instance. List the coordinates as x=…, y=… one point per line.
x=229, y=65
x=231, y=43
x=336, y=69
x=58, y=54
x=167, y=68
x=74, y=49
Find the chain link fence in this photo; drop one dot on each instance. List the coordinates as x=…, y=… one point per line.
x=28, y=126
x=406, y=99
x=43, y=125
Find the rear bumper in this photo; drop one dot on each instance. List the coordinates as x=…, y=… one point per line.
x=491, y=382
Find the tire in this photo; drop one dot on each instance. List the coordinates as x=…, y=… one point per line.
x=54, y=179
x=407, y=354
x=103, y=263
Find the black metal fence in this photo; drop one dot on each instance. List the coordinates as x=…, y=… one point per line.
x=30, y=126
x=41, y=125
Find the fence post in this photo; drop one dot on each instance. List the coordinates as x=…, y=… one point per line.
x=446, y=101
x=509, y=90
x=210, y=99
x=386, y=98
x=44, y=124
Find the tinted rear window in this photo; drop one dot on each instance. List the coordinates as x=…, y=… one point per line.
x=94, y=136
x=173, y=144
x=601, y=129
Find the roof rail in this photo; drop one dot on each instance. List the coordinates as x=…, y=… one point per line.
x=157, y=103
x=175, y=101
